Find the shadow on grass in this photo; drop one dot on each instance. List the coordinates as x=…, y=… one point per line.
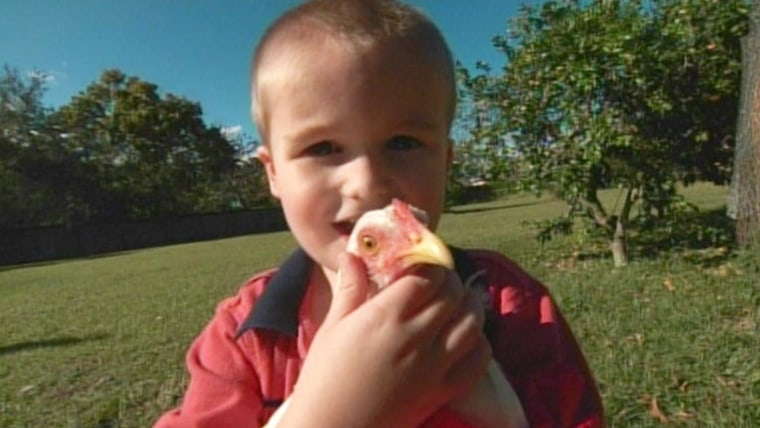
x=467, y=209
x=707, y=238
x=60, y=260
x=702, y=238
x=49, y=343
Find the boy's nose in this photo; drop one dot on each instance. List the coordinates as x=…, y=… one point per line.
x=369, y=178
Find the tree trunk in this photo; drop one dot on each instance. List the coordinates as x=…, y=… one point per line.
x=618, y=245
x=747, y=152
x=619, y=242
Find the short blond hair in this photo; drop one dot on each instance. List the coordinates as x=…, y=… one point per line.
x=364, y=24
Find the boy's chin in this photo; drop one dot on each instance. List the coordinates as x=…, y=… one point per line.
x=328, y=255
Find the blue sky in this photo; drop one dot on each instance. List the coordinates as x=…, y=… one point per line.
x=199, y=49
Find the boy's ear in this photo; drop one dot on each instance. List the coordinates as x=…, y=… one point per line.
x=264, y=156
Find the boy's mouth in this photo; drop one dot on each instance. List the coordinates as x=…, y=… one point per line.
x=344, y=227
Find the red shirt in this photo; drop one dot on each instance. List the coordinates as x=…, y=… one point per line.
x=247, y=359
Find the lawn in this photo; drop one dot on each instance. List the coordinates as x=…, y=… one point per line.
x=673, y=338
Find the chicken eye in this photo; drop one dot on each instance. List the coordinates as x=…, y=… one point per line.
x=369, y=243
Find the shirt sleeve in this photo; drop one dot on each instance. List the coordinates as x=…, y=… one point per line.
x=539, y=354
x=223, y=389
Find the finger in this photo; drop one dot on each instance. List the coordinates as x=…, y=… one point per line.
x=351, y=288
x=467, y=371
x=431, y=320
x=413, y=291
x=463, y=331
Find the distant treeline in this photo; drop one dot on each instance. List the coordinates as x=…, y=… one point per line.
x=119, y=151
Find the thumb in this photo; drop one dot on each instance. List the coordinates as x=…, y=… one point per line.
x=350, y=291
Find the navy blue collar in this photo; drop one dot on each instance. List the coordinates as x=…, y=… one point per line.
x=277, y=307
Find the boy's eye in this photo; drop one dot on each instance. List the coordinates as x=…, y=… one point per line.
x=404, y=142
x=322, y=148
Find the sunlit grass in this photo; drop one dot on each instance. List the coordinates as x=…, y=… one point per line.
x=101, y=341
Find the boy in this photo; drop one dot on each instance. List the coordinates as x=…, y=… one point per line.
x=354, y=101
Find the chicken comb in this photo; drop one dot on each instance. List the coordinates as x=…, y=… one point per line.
x=408, y=214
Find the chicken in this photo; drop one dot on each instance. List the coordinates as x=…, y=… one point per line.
x=391, y=240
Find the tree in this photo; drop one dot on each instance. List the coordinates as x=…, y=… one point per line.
x=746, y=183
x=626, y=94
x=481, y=153
x=34, y=170
x=20, y=108
x=119, y=150
x=149, y=155
x=246, y=186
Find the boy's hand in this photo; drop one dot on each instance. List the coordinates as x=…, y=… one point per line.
x=395, y=359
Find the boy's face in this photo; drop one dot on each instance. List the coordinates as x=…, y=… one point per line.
x=348, y=131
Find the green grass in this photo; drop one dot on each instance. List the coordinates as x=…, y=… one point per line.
x=100, y=342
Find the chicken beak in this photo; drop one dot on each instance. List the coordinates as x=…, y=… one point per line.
x=428, y=248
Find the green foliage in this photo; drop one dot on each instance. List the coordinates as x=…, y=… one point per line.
x=120, y=149
x=627, y=94
x=150, y=155
x=35, y=172
x=549, y=228
x=686, y=226
x=246, y=186
x=482, y=152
